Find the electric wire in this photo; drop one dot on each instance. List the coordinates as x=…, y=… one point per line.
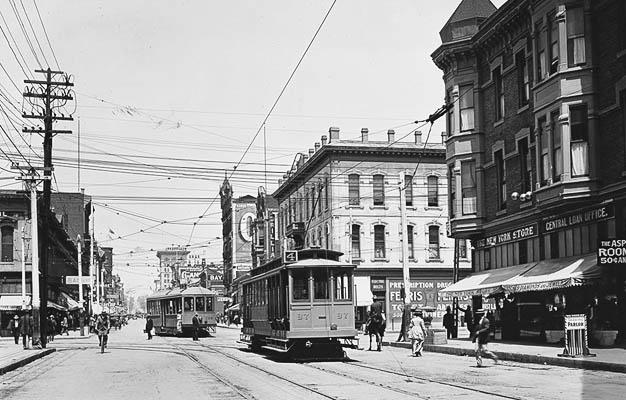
x=34, y=34
x=46, y=34
x=26, y=36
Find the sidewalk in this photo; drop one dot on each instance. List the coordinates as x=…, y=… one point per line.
x=13, y=356
x=606, y=359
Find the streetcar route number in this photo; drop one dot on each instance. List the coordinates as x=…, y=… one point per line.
x=342, y=315
x=304, y=317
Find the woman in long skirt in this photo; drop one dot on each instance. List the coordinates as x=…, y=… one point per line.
x=417, y=333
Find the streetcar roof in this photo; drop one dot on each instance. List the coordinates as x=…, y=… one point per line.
x=177, y=291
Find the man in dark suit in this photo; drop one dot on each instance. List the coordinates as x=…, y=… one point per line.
x=26, y=329
x=195, y=321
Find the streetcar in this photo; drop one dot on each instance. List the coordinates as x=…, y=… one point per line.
x=172, y=310
x=304, y=309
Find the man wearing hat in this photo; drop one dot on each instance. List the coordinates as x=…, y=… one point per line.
x=15, y=328
x=195, y=321
x=482, y=338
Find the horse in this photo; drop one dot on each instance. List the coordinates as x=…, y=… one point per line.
x=375, y=326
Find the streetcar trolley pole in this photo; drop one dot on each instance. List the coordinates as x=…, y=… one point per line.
x=576, y=336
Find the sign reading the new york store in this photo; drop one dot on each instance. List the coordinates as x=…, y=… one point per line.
x=512, y=235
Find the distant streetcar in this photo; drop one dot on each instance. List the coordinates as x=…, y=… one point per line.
x=304, y=308
x=172, y=310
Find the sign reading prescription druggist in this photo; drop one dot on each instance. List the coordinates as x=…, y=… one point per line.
x=612, y=252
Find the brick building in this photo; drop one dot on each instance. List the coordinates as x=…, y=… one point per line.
x=346, y=192
x=536, y=156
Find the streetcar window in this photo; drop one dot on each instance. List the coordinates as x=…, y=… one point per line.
x=188, y=303
x=209, y=303
x=178, y=305
x=342, y=286
x=172, y=310
x=320, y=284
x=199, y=303
x=300, y=284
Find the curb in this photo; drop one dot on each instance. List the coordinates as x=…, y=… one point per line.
x=24, y=361
x=580, y=363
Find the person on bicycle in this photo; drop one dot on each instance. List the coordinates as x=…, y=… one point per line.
x=102, y=328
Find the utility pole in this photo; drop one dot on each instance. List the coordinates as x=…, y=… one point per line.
x=92, y=293
x=79, y=248
x=54, y=95
x=24, y=267
x=455, y=299
x=31, y=179
x=406, y=314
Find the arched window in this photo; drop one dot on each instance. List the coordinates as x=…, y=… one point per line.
x=433, y=242
x=433, y=190
x=379, y=241
x=7, y=243
x=353, y=190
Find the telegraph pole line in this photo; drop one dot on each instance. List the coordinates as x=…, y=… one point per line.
x=406, y=314
x=45, y=97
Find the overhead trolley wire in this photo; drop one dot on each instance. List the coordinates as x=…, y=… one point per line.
x=46, y=34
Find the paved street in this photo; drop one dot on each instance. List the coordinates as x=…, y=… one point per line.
x=220, y=368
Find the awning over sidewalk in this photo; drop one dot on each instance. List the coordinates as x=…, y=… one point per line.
x=488, y=282
x=556, y=274
x=71, y=303
x=12, y=302
x=544, y=275
x=233, y=308
x=54, y=305
x=363, y=290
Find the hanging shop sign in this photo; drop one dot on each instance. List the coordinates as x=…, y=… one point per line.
x=612, y=252
x=579, y=217
x=377, y=284
x=523, y=232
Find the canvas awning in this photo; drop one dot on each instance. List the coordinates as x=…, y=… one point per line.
x=233, y=308
x=12, y=303
x=544, y=275
x=54, y=305
x=363, y=291
x=556, y=274
x=485, y=283
x=71, y=303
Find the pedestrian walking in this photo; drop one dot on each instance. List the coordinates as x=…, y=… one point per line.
x=195, y=321
x=15, y=328
x=481, y=338
x=448, y=322
x=149, y=326
x=52, y=328
x=26, y=329
x=468, y=316
x=70, y=322
x=64, y=326
x=417, y=333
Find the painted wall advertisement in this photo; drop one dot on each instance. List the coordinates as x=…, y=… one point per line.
x=426, y=293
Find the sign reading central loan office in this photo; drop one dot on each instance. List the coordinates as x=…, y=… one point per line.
x=580, y=217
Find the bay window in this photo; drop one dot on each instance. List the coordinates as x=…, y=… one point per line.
x=541, y=53
x=467, y=107
x=468, y=187
x=557, y=151
x=553, y=39
x=579, y=140
x=451, y=124
x=501, y=178
x=452, y=185
x=525, y=166
x=575, y=37
x=545, y=151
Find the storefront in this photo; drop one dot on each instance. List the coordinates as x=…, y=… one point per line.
x=11, y=305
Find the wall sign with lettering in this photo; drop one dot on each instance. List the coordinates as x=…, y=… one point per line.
x=612, y=252
x=581, y=217
x=512, y=235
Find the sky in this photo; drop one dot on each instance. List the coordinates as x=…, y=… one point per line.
x=170, y=94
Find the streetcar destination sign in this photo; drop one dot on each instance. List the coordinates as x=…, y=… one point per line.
x=75, y=280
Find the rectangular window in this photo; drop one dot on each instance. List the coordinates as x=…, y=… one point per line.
x=356, y=241
x=462, y=248
x=353, y=190
x=188, y=304
x=541, y=52
x=7, y=244
x=468, y=185
x=342, y=286
x=557, y=150
x=379, y=190
x=306, y=205
x=545, y=151
x=199, y=303
x=523, y=81
x=313, y=203
x=300, y=284
x=209, y=303
x=433, y=191
x=452, y=185
x=576, y=37
x=525, y=166
x=409, y=240
x=487, y=253
x=451, y=124
x=554, y=245
x=498, y=94
x=523, y=251
x=433, y=242
x=501, y=179
x=326, y=192
x=320, y=284
x=553, y=39
x=579, y=140
x=379, y=241
x=466, y=105
x=408, y=193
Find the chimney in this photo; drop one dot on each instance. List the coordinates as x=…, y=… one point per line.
x=364, y=134
x=324, y=139
x=311, y=152
x=280, y=182
x=444, y=136
x=303, y=160
x=418, y=137
x=317, y=146
x=391, y=135
x=334, y=134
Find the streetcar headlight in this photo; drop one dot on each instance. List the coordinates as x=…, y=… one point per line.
x=333, y=327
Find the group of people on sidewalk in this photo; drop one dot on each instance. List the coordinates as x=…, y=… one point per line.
x=23, y=326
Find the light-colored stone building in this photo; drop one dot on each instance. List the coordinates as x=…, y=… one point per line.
x=346, y=194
